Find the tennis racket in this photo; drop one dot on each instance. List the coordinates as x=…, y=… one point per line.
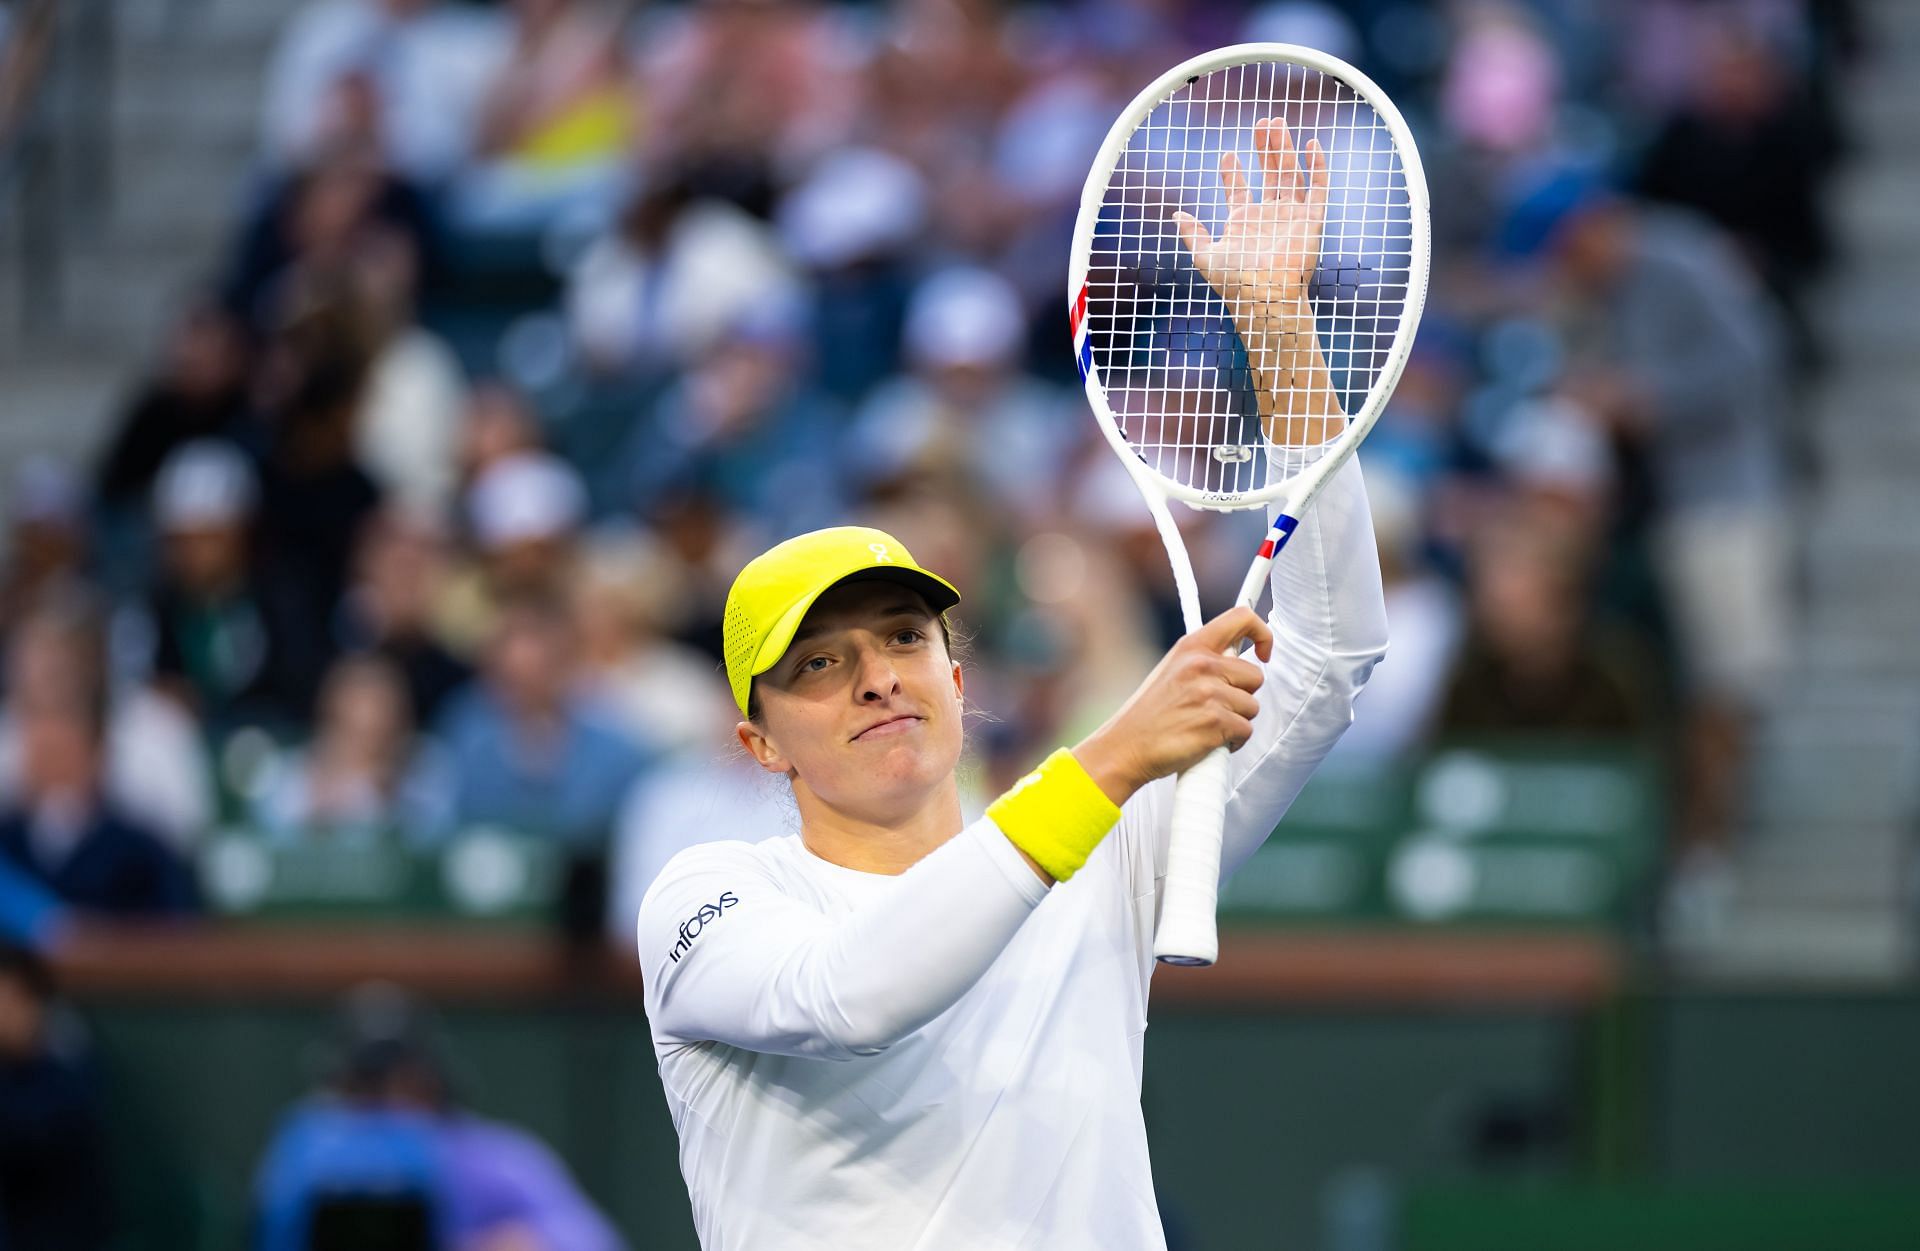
x=1248, y=267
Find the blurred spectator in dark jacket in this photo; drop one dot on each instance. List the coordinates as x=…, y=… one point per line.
x=199, y=391
x=235, y=644
x=1531, y=663
x=157, y=763
x=364, y=774
x=315, y=497
x=312, y=223
x=55, y=1193
x=62, y=830
x=393, y=606
x=1746, y=151
x=387, y=1147
x=527, y=752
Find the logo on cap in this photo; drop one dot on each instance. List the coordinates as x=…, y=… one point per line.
x=880, y=554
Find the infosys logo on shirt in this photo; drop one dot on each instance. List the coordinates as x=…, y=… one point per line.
x=691, y=927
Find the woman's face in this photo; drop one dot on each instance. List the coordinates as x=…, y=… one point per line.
x=864, y=710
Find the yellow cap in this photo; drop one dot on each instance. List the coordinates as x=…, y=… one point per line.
x=772, y=594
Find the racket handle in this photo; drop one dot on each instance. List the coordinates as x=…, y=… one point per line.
x=1187, y=933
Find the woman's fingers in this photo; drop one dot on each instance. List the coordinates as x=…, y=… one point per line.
x=1192, y=233
x=1239, y=194
x=1316, y=194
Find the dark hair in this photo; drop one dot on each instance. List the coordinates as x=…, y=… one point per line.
x=958, y=647
x=25, y=967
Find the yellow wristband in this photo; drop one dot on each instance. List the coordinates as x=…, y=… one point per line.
x=1056, y=814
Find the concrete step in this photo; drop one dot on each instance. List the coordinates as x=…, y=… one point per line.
x=216, y=22
x=1832, y=781
x=1862, y=582
x=1865, y=327
x=214, y=91
x=126, y=304
x=1874, y=515
x=58, y=408
x=166, y=205
x=1775, y=943
x=1829, y=866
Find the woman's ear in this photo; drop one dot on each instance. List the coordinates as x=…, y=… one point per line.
x=959, y=682
x=761, y=748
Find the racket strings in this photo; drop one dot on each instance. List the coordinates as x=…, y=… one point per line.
x=1179, y=378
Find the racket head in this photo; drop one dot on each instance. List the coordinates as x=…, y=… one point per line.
x=1165, y=371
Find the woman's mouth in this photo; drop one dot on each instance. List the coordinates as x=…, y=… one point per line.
x=887, y=728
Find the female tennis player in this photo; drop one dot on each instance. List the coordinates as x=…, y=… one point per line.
x=899, y=1030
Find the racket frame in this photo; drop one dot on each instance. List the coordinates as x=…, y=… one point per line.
x=1186, y=933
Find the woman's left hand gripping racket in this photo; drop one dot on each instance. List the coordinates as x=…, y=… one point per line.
x=1240, y=327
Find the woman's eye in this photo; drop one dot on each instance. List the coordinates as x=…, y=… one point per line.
x=813, y=664
x=908, y=636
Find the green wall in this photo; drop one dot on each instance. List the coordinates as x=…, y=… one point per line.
x=1256, y=1117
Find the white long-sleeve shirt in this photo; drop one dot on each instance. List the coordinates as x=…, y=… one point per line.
x=950, y=1058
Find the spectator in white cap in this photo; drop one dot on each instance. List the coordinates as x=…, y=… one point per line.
x=226, y=639
x=525, y=511
x=854, y=223
x=966, y=406
x=743, y=427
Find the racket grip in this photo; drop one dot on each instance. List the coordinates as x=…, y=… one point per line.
x=1187, y=933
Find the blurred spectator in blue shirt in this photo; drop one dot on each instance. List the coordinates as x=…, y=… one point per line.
x=385, y=1154
x=54, y=1189
x=62, y=831
x=744, y=427
x=527, y=752
x=854, y=222
x=1683, y=360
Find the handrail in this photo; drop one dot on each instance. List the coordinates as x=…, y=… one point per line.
x=55, y=94
x=23, y=62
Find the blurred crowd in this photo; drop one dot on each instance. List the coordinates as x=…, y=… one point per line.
x=540, y=317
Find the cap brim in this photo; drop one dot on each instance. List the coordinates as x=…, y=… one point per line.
x=937, y=591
